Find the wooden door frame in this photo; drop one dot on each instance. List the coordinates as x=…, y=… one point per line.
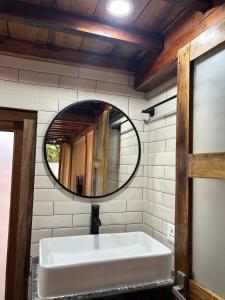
x=189, y=165
x=21, y=206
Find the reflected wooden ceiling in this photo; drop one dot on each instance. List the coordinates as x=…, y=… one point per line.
x=79, y=118
x=82, y=31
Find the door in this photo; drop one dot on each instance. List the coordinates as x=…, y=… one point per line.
x=17, y=158
x=200, y=167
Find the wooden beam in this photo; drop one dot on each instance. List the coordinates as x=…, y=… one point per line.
x=182, y=33
x=66, y=22
x=199, y=5
x=183, y=206
x=212, y=38
x=26, y=49
x=207, y=165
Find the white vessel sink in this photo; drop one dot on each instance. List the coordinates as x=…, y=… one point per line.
x=78, y=264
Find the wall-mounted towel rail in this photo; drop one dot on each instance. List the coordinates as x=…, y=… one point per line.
x=151, y=110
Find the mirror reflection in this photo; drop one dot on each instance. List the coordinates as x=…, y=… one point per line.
x=92, y=148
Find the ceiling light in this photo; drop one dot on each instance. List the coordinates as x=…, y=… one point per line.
x=119, y=8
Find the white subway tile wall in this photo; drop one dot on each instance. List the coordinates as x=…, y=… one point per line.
x=48, y=87
x=148, y=201
x=159, y=167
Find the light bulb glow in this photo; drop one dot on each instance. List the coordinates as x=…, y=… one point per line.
x=119, y=8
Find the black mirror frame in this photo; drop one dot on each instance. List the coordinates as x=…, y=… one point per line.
x=68, y=190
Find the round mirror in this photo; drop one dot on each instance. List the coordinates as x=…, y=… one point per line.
x=92, y=148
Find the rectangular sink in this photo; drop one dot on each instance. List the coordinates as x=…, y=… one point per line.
x=79, y=264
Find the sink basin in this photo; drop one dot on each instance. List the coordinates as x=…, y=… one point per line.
x=78, y=264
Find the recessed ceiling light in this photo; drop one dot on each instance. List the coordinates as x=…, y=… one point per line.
x=119, y=8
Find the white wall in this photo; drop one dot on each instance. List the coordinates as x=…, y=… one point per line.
x=47, y=88
x=148, y=202
x=159, y=169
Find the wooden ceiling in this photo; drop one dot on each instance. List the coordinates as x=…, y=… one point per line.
x=82, y=31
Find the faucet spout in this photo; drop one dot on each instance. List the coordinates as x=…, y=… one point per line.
x=95, y=220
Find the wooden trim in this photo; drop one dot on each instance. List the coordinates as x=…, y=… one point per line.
x=199, y=5
x=59, y=21
x=19, y=239
x=26, y=204
x=207, y=165
x=199, y=292
x=15, y=115
x=182, y=215
x=7, y=125
x=30, y=50
x=208, y=40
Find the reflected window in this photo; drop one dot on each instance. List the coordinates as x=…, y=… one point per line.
x=53, y=154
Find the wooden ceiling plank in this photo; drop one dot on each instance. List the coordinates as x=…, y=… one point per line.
x=26, y=49
x=78, y=7
x=96, y=46
x=199, y=5
x=64, y=40
x=28, y=33
x=157, y=16
x=3, y=28
x=66, y=22
x=47, y=3
x=125, y=52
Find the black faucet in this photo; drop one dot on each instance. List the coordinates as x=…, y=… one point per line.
x=95, y=221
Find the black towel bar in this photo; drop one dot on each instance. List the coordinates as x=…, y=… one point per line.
x=151, y=110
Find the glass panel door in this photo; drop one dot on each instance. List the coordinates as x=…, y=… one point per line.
x=208, y=264
x=208, y=233
x=209, y=103
x=6, y=161
x=200, y=168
